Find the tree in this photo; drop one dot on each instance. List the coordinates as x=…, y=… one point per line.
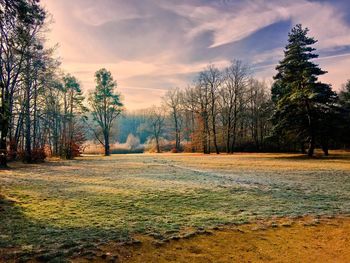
x=73, y=107
x=258, y=111
x=301, y=101
x=201, y=97
x=344, y=119
x=155, y=123
x=344, y=95
x=210, y=80
x=173, y=99
x=234, y=88
x=105, y=105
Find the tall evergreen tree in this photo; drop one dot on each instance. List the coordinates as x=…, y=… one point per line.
x=302, y=103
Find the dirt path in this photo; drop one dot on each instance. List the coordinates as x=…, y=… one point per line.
x=281, y=240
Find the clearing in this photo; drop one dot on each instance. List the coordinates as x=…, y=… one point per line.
x=84, y=209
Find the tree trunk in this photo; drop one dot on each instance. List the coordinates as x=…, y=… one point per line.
x=28, y=153
x=35, y=125
x=70, y=129
x=204, y=142
x=3, y=135
x=233, y=143
x=177, y=143
x=207, y=137
x=228, y=143
x=312, y=142
x=177, y=134
x=193, y=149
x=204, y=134
x=325, y=148
x=107, y=149
x=157, y=145
x=214, y=137
x=214, y=126
x=228, y=131
x=4, y=126
x=302, y=148
x=311, y=149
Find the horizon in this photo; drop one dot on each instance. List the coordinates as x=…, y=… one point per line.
x=152, y=46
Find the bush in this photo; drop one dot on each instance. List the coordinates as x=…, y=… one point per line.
x=38, y=155
x=174, y=150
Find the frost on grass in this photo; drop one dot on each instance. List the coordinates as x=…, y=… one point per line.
x=70, y=204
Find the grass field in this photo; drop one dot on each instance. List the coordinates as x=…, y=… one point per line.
x=62, y=208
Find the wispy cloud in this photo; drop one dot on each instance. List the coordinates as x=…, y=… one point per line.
x=151, y=45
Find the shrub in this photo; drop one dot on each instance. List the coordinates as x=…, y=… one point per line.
x=38, y=155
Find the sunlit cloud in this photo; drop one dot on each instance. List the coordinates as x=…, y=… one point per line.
x=151, y=46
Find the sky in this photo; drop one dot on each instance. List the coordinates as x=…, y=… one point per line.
x=151, y=46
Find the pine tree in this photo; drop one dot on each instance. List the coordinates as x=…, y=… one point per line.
x=302, y=103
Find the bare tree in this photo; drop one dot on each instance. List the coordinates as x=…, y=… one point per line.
x=173, y=100
x=156, y=119
x=257, y=111
x=202, y=99
x=210, y=80
x=235, y=82
x=190, y=107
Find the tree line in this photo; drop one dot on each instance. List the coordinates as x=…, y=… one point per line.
x=43, y=111
x=228, y=110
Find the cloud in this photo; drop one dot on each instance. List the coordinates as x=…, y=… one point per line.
x=232, y=25
x=151, y=45
x=233, y=22
x=97, y=14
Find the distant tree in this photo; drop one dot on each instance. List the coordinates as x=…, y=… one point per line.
x=302, y=103
x=155, y=119
x=105, y=105
x=132, y=142
x=344, y=122
x=173, y=100
x=344, y=95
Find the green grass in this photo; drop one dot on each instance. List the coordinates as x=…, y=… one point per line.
x=66, y=206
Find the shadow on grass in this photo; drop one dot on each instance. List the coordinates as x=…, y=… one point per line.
x=23, y=239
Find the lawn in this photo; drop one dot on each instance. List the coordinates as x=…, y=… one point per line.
x=61, y=208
